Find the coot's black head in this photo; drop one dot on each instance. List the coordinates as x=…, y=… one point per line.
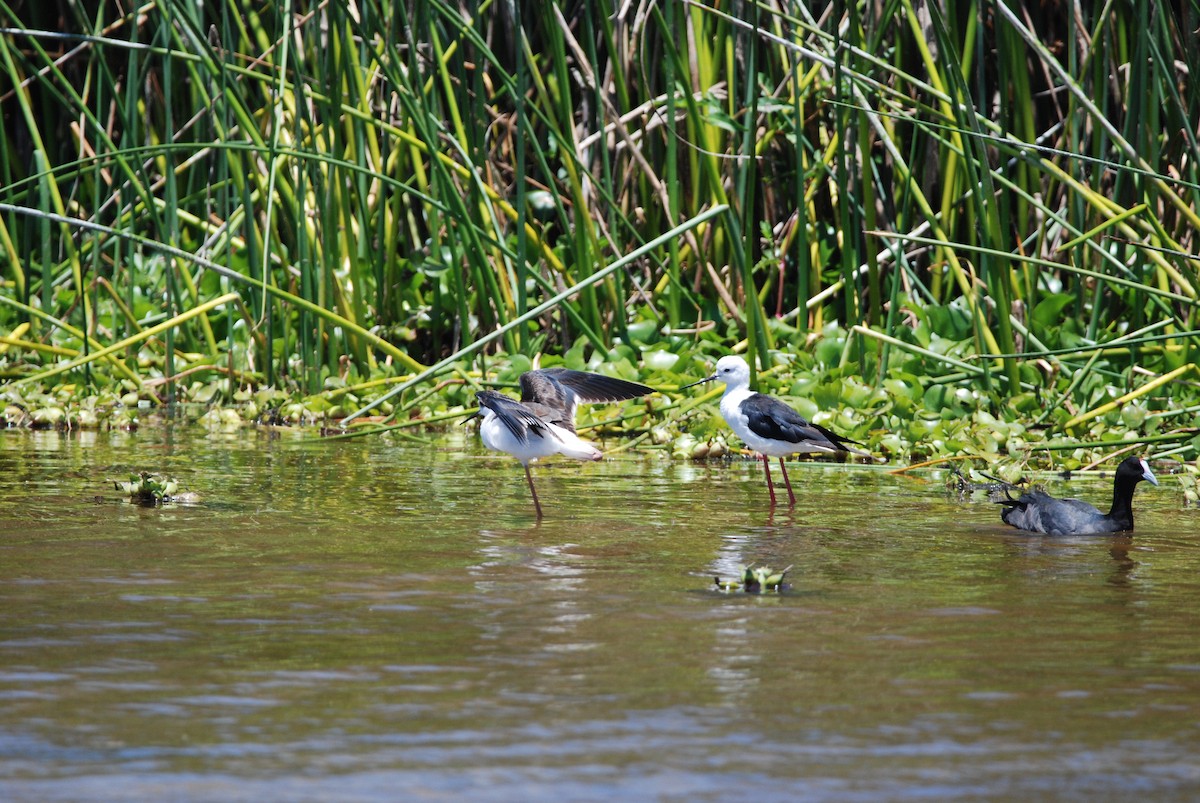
x=1134, y=469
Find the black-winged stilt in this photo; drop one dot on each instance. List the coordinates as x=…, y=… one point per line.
x=767, y=425
x=1038, y=512
x=542, y=423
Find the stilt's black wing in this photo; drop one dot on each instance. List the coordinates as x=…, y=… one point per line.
x=514, y=415
x=842, y=441
x=559, y=390
x=768, y=417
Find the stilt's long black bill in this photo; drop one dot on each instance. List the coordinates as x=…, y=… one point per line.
x=701, y=382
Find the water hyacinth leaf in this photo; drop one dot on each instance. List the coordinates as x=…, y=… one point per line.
x=805, y=406
x=1049, y=310
x=936, y=398
x=754, y=580
x=1133, y=415
x=660, y=360
x=829, y=350
x=949, y=321
x=855, y=394
x=148, y=489
x=644, y=332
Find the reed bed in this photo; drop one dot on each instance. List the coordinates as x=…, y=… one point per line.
x=352, y=201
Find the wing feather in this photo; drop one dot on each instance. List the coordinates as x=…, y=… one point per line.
x=555, y=392
x=518, y=419
x=768, y=417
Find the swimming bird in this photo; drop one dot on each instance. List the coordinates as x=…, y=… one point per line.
x=542, y=423
x=1038, y=512
x=767, y=425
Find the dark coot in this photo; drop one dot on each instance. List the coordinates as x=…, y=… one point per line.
x=1039, y=512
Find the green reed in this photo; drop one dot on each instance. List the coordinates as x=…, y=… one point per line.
x=384, y=185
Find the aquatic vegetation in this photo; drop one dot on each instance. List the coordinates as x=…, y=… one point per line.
x=147, y=489
x=68, y=407
x=755, y=580
x=1189, y=481
x=973, y=235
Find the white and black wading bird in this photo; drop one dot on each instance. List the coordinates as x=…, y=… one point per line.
x=767, y=425
x=542, y=423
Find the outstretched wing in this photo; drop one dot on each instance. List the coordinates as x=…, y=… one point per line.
x=557, y=391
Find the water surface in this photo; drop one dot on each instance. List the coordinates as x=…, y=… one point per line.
x=367, y=620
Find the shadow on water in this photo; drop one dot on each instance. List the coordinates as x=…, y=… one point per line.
x=355, y=619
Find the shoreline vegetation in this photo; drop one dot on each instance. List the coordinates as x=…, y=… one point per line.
x=956, y=230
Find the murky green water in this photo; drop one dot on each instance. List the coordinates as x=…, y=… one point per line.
x=372, y=621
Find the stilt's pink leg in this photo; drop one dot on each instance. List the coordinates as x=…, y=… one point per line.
x=787, y=481
x=537, y=505
x=770, y=485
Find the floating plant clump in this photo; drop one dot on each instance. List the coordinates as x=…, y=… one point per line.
x=755, y=580
x=148, y=490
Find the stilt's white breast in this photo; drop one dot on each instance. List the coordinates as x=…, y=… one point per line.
x=731, y=411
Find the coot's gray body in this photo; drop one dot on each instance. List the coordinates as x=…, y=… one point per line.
x=1038, y=512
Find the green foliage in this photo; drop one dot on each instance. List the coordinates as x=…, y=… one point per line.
x=916, y=215
x=147, y=489
x=755, y=580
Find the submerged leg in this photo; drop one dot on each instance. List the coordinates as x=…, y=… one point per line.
x=770, y=485
x=787, y=482
x=536, y=504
